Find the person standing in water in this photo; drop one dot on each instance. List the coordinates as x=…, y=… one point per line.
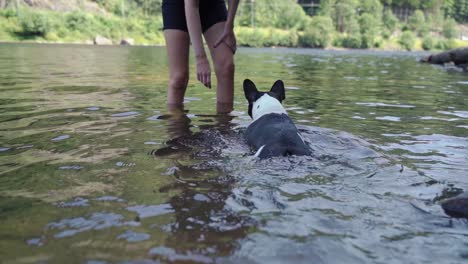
x=185, y=21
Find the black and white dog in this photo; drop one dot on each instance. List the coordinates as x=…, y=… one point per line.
x=272, y=133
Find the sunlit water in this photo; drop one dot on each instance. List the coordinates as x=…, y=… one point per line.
x=94, y=169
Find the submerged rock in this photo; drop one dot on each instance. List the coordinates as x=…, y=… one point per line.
x=457, y=206
x=459, y=57
x=127, y=41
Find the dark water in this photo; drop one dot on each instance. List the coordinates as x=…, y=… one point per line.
x=94, y=169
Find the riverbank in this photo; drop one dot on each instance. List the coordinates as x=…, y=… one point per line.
x=388, y=46
x=45, y=26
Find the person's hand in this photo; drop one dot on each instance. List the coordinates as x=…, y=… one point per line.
x=227, y=38
x=203, y=70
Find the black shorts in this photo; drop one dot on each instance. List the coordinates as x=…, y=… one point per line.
x=211, y=12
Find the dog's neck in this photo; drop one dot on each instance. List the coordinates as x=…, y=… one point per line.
x=266, y=105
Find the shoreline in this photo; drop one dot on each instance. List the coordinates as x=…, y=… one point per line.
x=90, y=43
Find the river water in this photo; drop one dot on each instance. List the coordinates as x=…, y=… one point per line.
x=95, y=169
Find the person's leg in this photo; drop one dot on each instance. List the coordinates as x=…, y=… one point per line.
x=223, y=60
x=177, y=45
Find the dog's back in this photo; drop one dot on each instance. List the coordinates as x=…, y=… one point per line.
x=272, y=133
x=275, y=135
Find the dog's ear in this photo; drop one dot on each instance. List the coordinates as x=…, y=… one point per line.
x=278, y=89
x=250, y=90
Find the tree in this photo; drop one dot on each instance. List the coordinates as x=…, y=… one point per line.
x=457, y=9
x=345, y=17
x=150, y=7
x=417, y=23
x=369, y=29
x=449, y=29
x=326, y=7
x=390, y=21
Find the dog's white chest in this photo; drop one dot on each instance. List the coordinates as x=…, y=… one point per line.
x=266, y=105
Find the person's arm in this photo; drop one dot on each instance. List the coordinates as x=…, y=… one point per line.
x=192, y=16
x=228, y=36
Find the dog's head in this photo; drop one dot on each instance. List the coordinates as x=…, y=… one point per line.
x=261, y=103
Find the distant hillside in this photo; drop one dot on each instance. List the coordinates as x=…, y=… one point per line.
x=57, y=5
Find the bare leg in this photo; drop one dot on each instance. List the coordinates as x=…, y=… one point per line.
x=223, y=61
x=177, y=45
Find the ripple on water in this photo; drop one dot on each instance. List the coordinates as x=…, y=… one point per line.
x=97, y=221
x=77, y=202
x=62, y=137
x=462, y=114
x=125, y=114
x=171, y=255
x=145, y=211
x=131, y=236
x=389, y=118
x=110, y=199
x=347, y=203
x=71, y=167
x=385, y=105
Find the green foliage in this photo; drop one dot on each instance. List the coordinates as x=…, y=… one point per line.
x=355, y=23
x=349, y=41
x=407, y=40
x=283, y=14
x=390, y=21
x=428, y=43
x=150, y=7
x=34, y=23
x=457, y=9
x=266, y=37
x=318, y=33
x=8, y=13
x=417, y=22
x=449, y=29
x=345, y=17
x=81, y=22
x=373, y=7
x=370, y=27
x=326, y=7
x=446, y=44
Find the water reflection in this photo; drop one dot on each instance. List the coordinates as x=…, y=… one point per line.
x=94, y=166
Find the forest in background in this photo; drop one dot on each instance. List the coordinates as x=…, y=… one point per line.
x=376, y=24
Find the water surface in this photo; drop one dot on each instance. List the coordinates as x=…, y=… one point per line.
x=94, y=168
